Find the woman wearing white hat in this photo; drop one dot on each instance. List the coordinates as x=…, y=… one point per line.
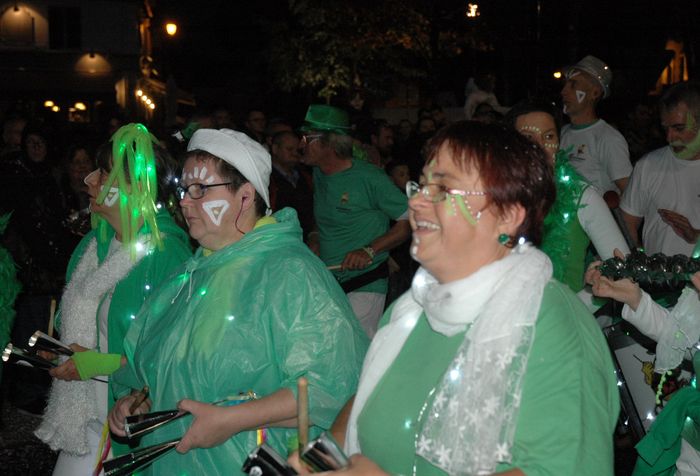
x=253, y=310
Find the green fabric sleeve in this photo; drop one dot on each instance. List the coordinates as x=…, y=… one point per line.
x=91, y=363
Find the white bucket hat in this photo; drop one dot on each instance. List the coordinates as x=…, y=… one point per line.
x=239, y=150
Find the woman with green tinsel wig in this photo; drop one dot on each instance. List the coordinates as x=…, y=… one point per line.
x=579, y=215
x=134, y=244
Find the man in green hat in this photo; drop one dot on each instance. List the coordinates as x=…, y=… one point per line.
x=354, y=203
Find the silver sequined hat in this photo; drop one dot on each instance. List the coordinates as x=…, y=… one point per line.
x=596, y=68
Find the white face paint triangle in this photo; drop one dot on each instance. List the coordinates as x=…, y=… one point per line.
x=580, y=95
x=216, y=209
x=203, y=173
x=111, y=197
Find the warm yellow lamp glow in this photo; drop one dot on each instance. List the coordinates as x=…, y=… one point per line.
x=55, y=108
x=557, y=75
x=152, y=106
x=171, y=28
x=48, y=103
x=139, y=92
x=473, y=10
x=80, y=106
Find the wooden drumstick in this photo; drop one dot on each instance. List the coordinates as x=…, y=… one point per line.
x=303, y=412
x=52, y=312
x=141, y=396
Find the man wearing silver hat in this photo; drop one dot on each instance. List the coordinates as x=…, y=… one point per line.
x=598, y=151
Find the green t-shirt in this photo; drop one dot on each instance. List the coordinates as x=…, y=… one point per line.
x=352, y=208
x=570, y=400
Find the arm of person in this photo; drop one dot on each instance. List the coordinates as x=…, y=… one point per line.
x=86, y=363
x=622, y=183
x=639, y=309
x=213, y=425
x=361, y=258
x=632, y=223
x=600, y=226
x=680, y=224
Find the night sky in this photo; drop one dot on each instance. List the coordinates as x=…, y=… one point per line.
x=219, y=50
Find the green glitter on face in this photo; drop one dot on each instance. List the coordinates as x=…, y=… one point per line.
x=692, y=148
x=464, y=208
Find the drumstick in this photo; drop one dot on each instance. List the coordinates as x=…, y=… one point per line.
x=303, y=412
x=140, y=397
x=334, y=266
x=52, y=311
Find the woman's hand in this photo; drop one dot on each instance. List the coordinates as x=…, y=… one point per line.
x=122, y=409
x=695, y=279
x=622, y=290
x=67, y=370
x=359, y=466
x=211, y=425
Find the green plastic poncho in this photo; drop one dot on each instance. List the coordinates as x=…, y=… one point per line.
x=255, y=315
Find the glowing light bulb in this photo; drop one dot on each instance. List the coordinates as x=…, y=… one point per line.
x=171, y=28
x=80, y=106
x=139, y=92
x=557, y=75
x=49, y=103
x=55, y=108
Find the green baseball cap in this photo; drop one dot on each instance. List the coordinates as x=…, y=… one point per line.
x=324, y=118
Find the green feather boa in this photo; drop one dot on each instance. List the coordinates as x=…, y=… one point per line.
x=556, y=242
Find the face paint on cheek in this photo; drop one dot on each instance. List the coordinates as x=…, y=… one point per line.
x=216, y=209
x=580, y=96
x=111, y=197
x=414, y=248
x=466, y=210
x=451, y=207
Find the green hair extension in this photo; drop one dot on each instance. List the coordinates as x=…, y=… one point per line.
x=556, y=242
x=137, y=192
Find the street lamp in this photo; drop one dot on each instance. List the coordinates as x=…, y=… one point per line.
x=171, y=28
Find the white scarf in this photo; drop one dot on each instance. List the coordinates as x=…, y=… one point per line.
x=681, y=332
x=470, y=427
x=72, y=405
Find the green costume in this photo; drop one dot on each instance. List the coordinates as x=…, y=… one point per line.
x=564, y=240
x=8, y=291
x=569, y=399
x=352, y=208
x=124, y=301
x=255, y=315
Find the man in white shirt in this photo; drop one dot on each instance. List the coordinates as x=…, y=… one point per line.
x=598, y=151
x=664, y=189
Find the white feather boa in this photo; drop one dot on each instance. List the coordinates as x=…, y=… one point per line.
x=72, y=405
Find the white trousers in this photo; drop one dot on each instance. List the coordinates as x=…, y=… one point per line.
x=368, y=308
x=71, y=465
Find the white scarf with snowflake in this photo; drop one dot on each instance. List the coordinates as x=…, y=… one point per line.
x=469, y=427
x=72, y=404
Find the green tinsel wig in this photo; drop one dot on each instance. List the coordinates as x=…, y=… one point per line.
x=132, y=153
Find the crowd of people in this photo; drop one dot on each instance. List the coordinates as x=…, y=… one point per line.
x=434, y=286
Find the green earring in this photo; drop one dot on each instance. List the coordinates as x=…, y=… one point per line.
x=503, y=239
